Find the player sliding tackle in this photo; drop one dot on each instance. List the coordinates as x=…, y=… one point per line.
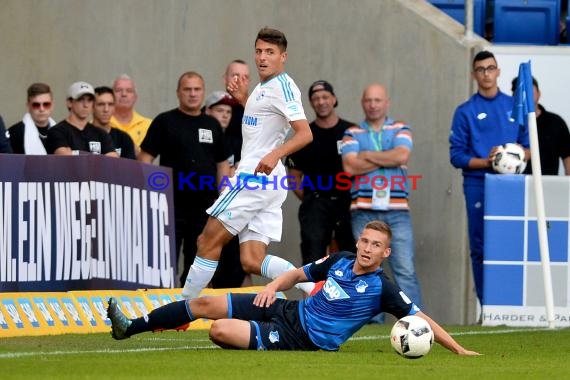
x=254, y=212
x=355, y=290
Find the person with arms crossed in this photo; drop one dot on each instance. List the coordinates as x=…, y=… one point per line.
x=193, y=145
x=75, y=133
x=29, y=136
x=553, y=137
x=103, y=108
x=379, y=148
x=125, y=117
x=251, y=206
x=478, y=127
x=324, y=213
x=355, y=290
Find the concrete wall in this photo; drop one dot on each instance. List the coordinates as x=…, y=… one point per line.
x=417, y=52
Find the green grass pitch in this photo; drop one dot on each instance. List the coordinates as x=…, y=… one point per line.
x=508, y=353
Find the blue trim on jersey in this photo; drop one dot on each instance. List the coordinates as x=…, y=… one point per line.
x=286, y=87
x=226, y=200
x=260, y=345
x=308, y=272
x=187, y=304
x=230, y=309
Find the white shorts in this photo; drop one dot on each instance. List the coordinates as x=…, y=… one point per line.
x=251, y=208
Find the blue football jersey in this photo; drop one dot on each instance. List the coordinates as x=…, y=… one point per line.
x=347, y=301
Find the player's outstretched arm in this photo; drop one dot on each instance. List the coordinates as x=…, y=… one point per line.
x=284, y=282
x=442, y=337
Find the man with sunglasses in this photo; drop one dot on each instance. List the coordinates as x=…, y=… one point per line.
x=29, y=136
x=480, y=125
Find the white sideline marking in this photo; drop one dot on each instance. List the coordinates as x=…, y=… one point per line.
x=371, y=337
x=11, y=355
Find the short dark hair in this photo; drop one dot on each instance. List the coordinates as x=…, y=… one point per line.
x=515, y=81
x=272, y=36
x=190, y=74
x=483, y=55
x=381, y=226
x=104, y=90
x=36, y=89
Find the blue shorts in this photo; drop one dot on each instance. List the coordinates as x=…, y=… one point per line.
x=276, y=327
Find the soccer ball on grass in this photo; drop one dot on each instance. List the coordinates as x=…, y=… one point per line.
x=411, y=337
x=509, y=159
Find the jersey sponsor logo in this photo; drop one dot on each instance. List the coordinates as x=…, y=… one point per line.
x=95, y=147
x=260, y=95
x=333, y=291
x=274, y=336
x=361, y=286
x=249, y=120
x=205, y=136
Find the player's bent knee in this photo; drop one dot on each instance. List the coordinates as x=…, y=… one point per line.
x=219, y=334
x=250, y=264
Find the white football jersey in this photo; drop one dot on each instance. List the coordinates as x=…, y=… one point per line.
x=265, y=124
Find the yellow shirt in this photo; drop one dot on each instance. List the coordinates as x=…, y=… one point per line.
x=137, y=128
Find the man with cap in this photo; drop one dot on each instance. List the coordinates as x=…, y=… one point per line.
x=75, y=133
x=324, y=214
x=219, y=105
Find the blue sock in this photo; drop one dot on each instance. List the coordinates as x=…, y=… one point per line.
x=168, y=316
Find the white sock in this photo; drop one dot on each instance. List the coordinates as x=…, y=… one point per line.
x=199, y=275
x=273, y=266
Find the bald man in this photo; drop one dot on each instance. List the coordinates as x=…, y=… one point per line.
x=379, y=149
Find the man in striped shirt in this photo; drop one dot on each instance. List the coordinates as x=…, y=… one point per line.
x=376, y=153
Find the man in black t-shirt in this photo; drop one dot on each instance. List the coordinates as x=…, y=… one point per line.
x=103, y=108
x=29, y=136
x=75, y=133
x=324, y=213
x=193, y=145
x=553, y=137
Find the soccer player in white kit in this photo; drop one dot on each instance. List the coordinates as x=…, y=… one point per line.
x=250, y=206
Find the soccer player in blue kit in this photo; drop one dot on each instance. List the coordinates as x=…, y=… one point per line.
x=355, y=290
